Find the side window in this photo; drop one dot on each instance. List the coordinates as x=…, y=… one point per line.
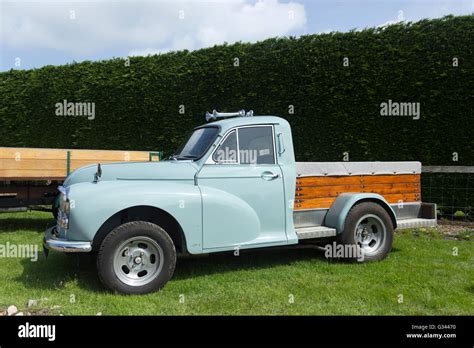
x=227, y=151
x=256, y=145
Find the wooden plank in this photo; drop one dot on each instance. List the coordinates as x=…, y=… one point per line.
x=77, y=164
x=29, y=174
x=357, y=179
x=80, y=163
x=32, y=178
x=33, y=164
x=51, y=164
x=94, y=155
x=30, y=153
x=313, y=203
x=335, y=190
x=109, y=155
x=326, y=202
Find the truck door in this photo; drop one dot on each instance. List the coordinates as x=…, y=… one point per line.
x=243, y=192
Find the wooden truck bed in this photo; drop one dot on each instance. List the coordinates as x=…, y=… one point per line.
x=319, y=183
x=55, y=164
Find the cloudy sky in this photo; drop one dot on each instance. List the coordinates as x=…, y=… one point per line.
x=38, y=33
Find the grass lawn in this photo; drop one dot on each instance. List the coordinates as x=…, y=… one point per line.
x=421, y=268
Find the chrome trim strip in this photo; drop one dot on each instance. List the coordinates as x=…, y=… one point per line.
x=315, y=232
x=416, y=223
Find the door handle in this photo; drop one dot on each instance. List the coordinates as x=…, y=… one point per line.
x=269, y=176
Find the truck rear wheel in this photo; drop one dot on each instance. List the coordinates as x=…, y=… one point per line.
x=369, y=227
x=136, y=258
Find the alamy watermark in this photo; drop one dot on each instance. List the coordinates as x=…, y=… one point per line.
x=392, y=108
x=27, y=251
x=228, y=155
x=76, y=109
x=28, y=330
x=344, y=251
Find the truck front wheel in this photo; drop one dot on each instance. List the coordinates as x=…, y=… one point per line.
x=369, y=227
x=136, y=258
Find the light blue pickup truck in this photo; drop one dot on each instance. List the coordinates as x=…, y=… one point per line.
x=234, y=184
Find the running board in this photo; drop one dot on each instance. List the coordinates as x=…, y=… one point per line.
x=323, y=231
x=414, y=223
x=315, y=232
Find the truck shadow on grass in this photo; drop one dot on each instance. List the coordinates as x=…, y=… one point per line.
x=252, y=260
x=32, y=224
x=56, y=271
x=189, y=267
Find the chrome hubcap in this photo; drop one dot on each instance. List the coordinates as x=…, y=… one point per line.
x=138, y=261
x=370, y=234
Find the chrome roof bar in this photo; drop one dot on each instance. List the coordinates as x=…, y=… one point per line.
x=215, y=115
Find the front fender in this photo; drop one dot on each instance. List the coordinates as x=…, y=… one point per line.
x=93, y=203
x=337, y=214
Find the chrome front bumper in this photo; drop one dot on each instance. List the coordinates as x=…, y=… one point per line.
x=50, y=242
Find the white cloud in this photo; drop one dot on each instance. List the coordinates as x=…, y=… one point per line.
x=414, y=11
x=390, y=22
x=147, y=51
x=144, y=27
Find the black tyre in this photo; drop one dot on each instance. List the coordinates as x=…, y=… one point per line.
x=136, y=258
x=368, y=226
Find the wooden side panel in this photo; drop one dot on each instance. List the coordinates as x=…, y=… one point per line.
x=109, y=155
x=336, y=190
x=81, y=158
x=357, y=179
x=32, y=164
x=52, y=164
x=29, y=153
x=321, y=192
x=27, y=163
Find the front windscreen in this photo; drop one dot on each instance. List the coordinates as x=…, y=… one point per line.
x=197, y=144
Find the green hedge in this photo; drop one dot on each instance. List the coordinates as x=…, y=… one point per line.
x=336, y=108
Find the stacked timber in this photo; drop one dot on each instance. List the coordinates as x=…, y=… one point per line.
x=55, y=164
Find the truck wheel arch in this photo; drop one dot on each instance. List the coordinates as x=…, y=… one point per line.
x=338, y=211
x=152, y=214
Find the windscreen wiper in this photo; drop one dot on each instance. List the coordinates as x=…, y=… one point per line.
x=178, y=157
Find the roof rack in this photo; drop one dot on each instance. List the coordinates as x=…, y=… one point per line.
x=215, y=115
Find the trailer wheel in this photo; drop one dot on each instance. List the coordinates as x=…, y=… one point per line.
x=369, y=227
x=136, y=258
